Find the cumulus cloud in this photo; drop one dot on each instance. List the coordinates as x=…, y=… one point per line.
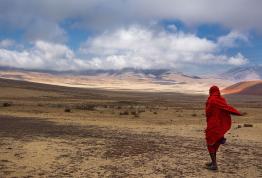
x=42, y=55
x=135, y=46
x=141, y=47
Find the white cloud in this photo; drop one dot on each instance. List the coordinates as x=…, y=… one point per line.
x=6, y=43
x=141, y=47
x=42, y=56
x=237, y=60
x=172, y=27
x=136, y=47
x=232, y=39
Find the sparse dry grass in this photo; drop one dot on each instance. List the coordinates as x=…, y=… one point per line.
x=118, y=134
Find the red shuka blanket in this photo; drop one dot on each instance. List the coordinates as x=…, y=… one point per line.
x=218, y=116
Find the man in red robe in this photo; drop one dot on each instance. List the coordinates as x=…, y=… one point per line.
x=218, y=123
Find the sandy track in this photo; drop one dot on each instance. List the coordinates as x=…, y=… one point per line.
x=32, y=147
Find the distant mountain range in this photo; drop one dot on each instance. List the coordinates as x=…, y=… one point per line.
x=155, y=73
x=246, y=73
x=135, y=79
x=124, y=79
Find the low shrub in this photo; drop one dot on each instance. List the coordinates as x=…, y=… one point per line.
x=67, y=110
x=136, y=115
x=119, y=107
x=124, y=113
x=133, y=112
x=86, y=107
x=6, y=104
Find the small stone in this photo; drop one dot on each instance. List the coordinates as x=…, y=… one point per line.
x=239, y=126
x=248, y=125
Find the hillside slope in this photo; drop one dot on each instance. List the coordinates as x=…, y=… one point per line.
x=245, y=88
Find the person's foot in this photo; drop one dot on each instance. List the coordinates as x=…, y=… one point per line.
x=208, y=164
x=212, y=167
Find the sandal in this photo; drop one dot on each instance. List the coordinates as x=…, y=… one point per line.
x=212, y=167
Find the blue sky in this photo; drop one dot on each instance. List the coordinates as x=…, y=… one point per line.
x=99, y=34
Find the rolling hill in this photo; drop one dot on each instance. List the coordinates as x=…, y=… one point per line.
x=245, y=88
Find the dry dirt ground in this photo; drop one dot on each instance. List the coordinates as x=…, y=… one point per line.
x=50, y=131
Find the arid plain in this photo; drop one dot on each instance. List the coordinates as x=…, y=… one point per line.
x=54, y=131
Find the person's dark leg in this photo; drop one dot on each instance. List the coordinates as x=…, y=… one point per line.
x=213, y=159
x=212, y=152
x=223, y=140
